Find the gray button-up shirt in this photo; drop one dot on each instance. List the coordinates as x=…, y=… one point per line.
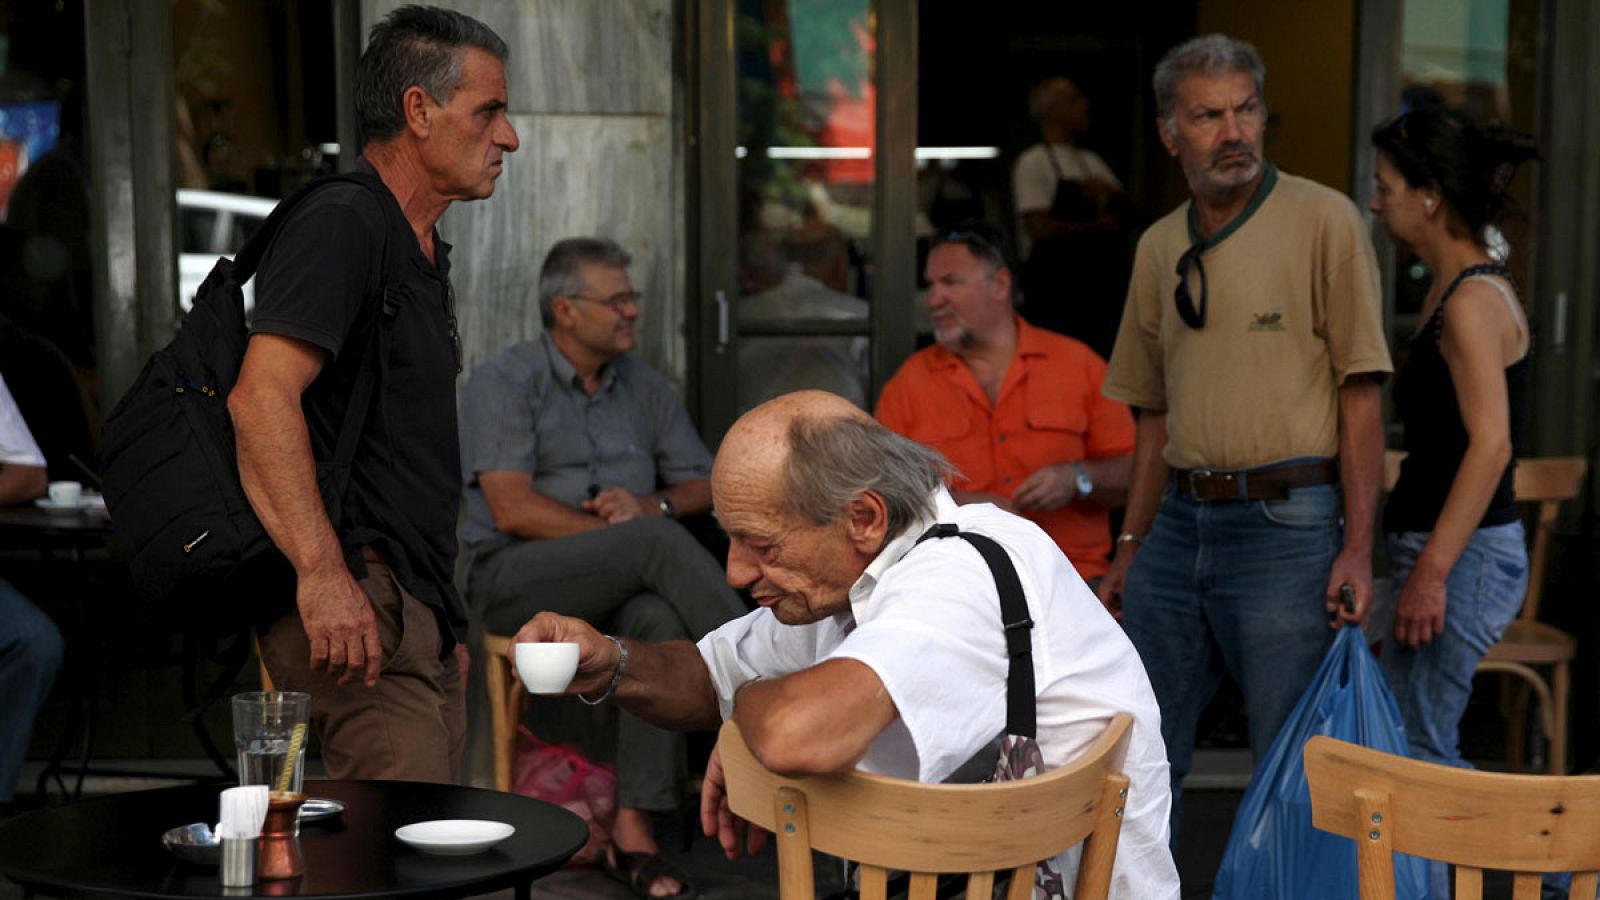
x=525, y=410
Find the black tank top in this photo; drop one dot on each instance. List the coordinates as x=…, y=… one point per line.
x=1435, y=438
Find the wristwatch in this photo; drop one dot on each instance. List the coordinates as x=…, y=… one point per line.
x=665, y=506
x=1084, y=482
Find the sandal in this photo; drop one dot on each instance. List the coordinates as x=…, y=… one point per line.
x=639, y=870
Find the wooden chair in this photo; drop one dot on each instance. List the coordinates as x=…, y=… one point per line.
x=1526, y=824
x=505, y=705
x=930, y=829
x=1529, y=643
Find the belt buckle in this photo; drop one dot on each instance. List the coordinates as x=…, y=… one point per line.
x=1196, y=476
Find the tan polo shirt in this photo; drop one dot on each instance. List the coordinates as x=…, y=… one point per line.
x=1294, y=309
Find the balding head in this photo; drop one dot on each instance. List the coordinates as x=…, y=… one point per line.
x=809, y=489
x=808, y=453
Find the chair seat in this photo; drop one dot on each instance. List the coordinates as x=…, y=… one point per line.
x=1534, y=642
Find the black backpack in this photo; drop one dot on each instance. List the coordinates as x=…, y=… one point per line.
x=168, y=455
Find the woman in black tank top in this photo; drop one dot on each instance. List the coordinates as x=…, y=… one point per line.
x=1453, y=532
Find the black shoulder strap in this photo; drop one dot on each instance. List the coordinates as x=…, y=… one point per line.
x=249, y=256
x=1021, y=717
x=1472, y=272
x=1050, y=154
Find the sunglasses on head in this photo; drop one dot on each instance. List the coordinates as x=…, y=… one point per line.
x=1187, y=311
x=976, y=241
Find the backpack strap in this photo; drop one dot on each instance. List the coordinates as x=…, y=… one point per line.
x=1020, y=713
x=249, y=256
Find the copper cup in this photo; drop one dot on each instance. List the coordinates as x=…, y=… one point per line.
x=280, y=838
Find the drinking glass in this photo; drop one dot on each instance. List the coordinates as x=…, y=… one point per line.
x=264, y=725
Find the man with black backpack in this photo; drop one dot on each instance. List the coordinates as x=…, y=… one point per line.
x=355, y=318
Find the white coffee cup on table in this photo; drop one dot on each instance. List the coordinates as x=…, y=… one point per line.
x=66, y=493
x=546, y=668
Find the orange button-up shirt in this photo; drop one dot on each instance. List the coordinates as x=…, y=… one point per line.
x=1049, y=410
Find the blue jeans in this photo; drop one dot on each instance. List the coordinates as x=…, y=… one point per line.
x=1432, y=683
x=30, y=656
x=1235, y=586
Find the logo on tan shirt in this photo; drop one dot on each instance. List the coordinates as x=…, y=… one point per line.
x=1271, y=320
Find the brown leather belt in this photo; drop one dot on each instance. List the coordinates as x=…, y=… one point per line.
x=1263, y=483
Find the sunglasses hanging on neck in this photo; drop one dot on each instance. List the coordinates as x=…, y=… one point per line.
x=1191, y=316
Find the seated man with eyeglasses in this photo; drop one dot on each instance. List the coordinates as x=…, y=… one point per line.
x=564, y=440
x=1253, y=345
x=1016, y=409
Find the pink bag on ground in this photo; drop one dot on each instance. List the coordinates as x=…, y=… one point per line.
x=564, y=776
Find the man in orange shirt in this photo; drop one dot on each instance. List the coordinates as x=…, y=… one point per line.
x=1016, y=409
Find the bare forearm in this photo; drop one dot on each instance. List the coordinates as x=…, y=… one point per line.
x=279, y=476
x=1148, y=477
x=20, y=484
x=1360, y=459
x=1470, y=495
x=1111, y=478
x=538, y=517
x=819, y=719
x=667, y=684
x=688, y=498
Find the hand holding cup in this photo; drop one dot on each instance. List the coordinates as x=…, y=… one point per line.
x=596, y=656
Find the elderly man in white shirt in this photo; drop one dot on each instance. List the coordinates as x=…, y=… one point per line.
x=871, y=650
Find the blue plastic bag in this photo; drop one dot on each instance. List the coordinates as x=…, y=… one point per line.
x=1275, y=853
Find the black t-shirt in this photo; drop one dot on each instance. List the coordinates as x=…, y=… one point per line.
x=319, y=282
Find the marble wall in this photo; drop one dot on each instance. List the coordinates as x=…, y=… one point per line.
x=593, y=99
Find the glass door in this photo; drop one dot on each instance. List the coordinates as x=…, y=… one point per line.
x=1479, y=55
x=805, y=265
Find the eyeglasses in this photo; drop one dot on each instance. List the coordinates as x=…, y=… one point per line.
x=1194, y=318
x=450, y=321
x=615, y=301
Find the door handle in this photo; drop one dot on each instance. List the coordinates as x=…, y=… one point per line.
x=722, y=321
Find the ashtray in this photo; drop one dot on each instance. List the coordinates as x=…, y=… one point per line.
x=315, y=809
x=193, y=844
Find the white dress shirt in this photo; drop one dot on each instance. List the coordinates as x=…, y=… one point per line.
x=17, y=446
x=927, y=622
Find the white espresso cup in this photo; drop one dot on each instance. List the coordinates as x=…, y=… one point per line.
x=547, y=668
x=66, y=493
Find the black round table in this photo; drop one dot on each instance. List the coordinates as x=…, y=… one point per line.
x=111, y=846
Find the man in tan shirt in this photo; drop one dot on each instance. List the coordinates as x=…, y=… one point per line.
x=1253, y=345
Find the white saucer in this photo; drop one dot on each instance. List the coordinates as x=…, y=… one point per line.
x=454, y=837
x=86, y=503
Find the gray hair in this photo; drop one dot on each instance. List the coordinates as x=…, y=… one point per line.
x=834, y=458
x=415, y=46
x=562, y=272
x=1212, y=55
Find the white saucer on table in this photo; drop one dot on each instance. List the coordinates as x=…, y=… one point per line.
x=86, y=503
x=454, y=837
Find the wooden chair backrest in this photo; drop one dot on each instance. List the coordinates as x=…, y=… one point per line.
x=1526, y=824
x=889, y=824
x=1547, y=482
